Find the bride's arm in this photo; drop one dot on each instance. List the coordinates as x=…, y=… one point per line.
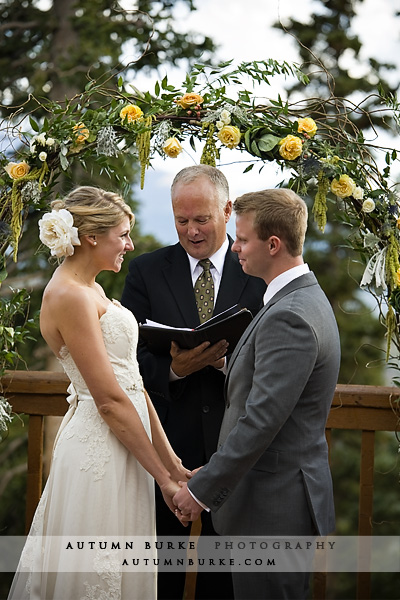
x=75, y=315
x=160, y=441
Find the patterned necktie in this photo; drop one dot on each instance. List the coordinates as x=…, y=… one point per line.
x=204, y=291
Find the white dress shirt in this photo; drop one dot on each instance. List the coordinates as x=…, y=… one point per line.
x=283, y=279
x=217, y=260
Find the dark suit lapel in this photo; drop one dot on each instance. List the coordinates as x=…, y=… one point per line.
x=176, y=270
x=232, y=272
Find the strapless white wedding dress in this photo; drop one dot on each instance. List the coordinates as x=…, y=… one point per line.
x=95, y=488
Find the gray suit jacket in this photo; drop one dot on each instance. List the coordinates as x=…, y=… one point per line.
x=270, y=475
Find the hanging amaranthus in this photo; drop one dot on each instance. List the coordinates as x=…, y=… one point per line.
x=17, y=204
x=319, y=209
x=210, y=152
x=392, y=262
x=143, y=146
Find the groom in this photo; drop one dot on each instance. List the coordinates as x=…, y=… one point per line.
x=270, y=475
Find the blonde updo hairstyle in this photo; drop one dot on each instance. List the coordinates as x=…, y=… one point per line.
x=94, y=210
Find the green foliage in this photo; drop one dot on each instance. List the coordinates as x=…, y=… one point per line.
x=48, y=53
x=11, y=333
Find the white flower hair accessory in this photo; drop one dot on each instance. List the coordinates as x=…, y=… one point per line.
x=57, y=232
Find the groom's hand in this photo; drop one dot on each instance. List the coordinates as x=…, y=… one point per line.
x=187, y=509
x=186, y=362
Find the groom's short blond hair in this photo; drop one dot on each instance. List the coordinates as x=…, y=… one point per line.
x=279, y=212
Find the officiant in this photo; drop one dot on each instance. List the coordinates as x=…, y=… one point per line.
x=183, y=285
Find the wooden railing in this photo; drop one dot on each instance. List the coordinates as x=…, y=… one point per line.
x=364, y=408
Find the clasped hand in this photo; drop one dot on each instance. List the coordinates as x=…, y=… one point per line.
x=187, y=509
x=186, y=362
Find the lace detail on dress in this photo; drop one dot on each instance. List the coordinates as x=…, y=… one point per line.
x=120, y=334
x=93, y=432
x=108, y=568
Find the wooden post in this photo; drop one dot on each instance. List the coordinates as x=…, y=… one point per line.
x=365, y=510
x=35, y=470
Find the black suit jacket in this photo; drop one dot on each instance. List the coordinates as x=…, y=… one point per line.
x=159, y=287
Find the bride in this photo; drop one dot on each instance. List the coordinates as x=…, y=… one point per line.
x=110, y=444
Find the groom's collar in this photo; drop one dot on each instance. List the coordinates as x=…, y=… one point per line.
x=283, y=279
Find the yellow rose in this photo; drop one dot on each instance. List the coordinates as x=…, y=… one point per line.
x=290, y=147
x=188, y=100
x=343, y=187
x=229, y=136
x=308, y=126
x=81, y=133
x=131, y=112
x=172, y=147
x=17, y=170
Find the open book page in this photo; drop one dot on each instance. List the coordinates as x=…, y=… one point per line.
x=151, y=323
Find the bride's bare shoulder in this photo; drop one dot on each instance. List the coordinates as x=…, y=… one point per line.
x=62, y=293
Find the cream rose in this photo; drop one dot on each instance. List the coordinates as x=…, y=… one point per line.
x=81, y=133
x=17, y=170
x=57, y=232
x=189, y=100
x=307, y=125
x=172, y=147
x=358, y=193
x=290, y=147
x=225, y=116
x=43, y=156
x=229, y=136
x=131, y=113
x=343, y=187
x=368, y=205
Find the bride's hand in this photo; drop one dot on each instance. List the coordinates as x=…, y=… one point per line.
x=168, y=491
x=181, y=474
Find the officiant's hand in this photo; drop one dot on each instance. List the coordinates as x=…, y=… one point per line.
x=186, y=362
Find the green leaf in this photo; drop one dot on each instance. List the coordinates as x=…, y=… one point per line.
x=157, y=89
x=248, y=168
x=34, y=125
x=254, y=149
x=268, y=142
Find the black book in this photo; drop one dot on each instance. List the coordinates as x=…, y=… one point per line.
x=228, y=325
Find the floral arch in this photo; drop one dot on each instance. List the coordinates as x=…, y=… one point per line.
x=328, y=158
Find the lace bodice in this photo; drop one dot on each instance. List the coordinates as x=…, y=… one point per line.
x=120, y=335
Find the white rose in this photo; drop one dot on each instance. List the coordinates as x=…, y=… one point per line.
x=50, y=142
x=368, y=205
x=41, y=139
x=220, y=124
x=358, y=193
x=43, y=156
x=225, y=117
x=57, y=232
